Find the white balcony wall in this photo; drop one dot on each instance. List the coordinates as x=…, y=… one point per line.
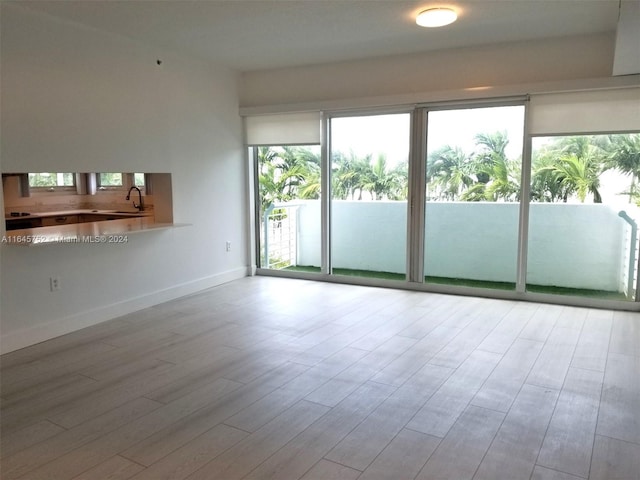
x=476, y=241
x=575, y=246
x=309, y=234
x=371, y=237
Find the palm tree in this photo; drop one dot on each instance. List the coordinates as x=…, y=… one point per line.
x=349, y=175
x=579, y=145
x=286, y=173
x=311, y=187
x=499, y=175
x=308, y=163
x=400, y=182
x=492, y=150
x=487, y=174
x=293, y=169
x=569, y=166
x=449, y=172
x=381, y=182
x=545, y=185
x=579, y=176
x=623, y=154
x=504, y=180
x=353, y=175
x=269, y=189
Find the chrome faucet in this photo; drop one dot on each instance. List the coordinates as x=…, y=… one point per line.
x=139, y=206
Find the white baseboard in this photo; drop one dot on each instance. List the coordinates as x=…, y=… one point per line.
x=61, y=326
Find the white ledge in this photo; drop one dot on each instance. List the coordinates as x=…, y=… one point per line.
x=111, y=231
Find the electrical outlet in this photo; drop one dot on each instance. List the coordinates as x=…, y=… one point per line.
x=228, y=246
x=54, y=284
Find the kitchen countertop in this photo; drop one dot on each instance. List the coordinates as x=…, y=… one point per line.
x=112, y=231
x=60, y=213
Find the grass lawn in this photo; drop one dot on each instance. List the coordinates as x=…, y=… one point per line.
x=579, y=292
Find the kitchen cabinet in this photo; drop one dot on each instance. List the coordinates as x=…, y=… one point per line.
x=101, y=217
x=18, y=223
x=59, y=220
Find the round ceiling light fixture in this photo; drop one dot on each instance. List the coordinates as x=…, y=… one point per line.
x=436, y=17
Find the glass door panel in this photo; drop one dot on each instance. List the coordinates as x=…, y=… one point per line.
x=583, y=216
x=369, y=182
x=474, y=159
x=289, y=198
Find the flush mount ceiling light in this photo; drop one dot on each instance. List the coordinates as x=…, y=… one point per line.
x=436, y=17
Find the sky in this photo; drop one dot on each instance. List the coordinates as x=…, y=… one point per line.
x=389, y=134
x=459, y=127
x=376, y=134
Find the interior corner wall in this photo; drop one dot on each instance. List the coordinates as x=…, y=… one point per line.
x=557, y=59
x=77, y=99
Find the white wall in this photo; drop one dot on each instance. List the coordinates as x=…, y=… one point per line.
x=75, y=99
x=570, y=245
x=489, y=66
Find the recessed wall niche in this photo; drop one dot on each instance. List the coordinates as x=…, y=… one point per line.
x=43, y=192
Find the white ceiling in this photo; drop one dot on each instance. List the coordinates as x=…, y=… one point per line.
x=261, y=34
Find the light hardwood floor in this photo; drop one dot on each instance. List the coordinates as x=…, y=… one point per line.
x=271, y=378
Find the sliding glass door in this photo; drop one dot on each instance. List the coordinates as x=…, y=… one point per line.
x=369, y=181
x=474, y=159
x=583, y=216
x=289, y=207
x=452, y=195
